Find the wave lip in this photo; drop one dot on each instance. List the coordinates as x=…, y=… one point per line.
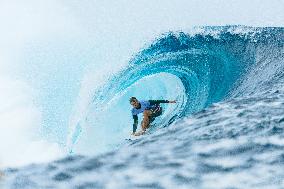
x=207, y=63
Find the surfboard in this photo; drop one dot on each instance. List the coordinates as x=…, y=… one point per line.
x=132, y=138
x=136, y=137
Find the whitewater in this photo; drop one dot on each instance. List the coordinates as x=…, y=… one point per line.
x=226, y=130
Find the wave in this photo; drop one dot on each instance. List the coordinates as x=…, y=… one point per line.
x=228, y=122
x=208, y=65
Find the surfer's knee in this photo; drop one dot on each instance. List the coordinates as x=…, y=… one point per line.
x=147, y=113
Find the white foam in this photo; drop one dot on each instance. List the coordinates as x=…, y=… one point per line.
x=20, y=121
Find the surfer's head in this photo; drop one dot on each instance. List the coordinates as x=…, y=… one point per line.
x=134, y=102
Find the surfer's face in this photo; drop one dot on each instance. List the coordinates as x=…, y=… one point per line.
x=135, y=103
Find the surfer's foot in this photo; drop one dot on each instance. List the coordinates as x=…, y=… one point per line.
x=139, y=133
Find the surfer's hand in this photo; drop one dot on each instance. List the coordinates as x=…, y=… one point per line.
x=172, y=101
x=133, y=133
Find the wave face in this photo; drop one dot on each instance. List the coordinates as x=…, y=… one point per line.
x=225, y=132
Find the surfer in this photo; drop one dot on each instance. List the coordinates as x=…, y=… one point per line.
x=150, y=109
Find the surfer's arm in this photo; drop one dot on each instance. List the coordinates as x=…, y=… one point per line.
x=154, y=102
x=135, y=118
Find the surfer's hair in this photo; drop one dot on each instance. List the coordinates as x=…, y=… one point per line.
x=132, y=99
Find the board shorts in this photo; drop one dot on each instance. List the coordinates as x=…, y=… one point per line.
x=156, y=111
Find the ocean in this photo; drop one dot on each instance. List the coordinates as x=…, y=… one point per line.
x=226, y=130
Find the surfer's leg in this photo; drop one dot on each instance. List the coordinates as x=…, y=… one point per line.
x=146, y=120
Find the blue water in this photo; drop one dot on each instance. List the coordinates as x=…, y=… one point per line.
x=226, y=131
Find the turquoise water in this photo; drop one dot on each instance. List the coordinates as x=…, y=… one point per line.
x=226, y=131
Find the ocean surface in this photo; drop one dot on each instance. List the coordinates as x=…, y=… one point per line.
x=226, y=131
